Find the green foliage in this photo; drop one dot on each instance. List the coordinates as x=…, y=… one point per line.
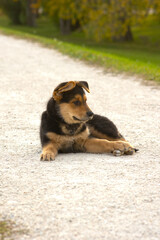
x=139, y=57
x=8, y=229
x=5, y=230
x=101, y=19
x=20, y=11
x=13, y=10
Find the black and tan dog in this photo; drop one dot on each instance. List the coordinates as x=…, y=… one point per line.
x=69, y=125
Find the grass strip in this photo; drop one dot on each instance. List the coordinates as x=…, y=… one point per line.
x=128, y=60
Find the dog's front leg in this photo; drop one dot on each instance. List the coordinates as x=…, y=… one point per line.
x=49, y=152
x=95, y=145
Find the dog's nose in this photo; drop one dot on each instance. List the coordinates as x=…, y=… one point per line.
x=89, y=113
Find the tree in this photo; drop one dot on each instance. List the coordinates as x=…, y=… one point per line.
x=114, y=18
x=100, y=19
x=12, y=9
x=66, y=11
x=16, y=8
x=31, y=12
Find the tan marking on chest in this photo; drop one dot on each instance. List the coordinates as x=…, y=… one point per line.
x=61, y=140
x=68, y=131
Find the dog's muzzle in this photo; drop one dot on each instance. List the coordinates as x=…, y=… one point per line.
x=89, y=116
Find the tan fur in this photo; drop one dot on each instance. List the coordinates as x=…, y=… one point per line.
x=66, y=131
x=83, y=143
x=49, y=152
x=94, y=145
x=57, y=94
x=82, y=85
x=62, y=141
x=73, y=138
x=68, y=110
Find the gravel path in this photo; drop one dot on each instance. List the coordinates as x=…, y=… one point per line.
x=78, y=196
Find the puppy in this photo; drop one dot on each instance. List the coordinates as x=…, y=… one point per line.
x=69, y=125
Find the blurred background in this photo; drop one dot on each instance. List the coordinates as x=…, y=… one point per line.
x=121, y=35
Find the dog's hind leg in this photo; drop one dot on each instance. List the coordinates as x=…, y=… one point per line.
x=103, y=128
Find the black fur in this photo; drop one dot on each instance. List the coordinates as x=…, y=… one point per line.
x=51, y=120
x=105, y=126
x=63, y=109
x=67, y=96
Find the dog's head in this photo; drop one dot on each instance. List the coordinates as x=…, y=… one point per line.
x=71, y=101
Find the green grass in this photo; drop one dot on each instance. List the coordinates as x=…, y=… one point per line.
x=142, y=57
x=9, y=229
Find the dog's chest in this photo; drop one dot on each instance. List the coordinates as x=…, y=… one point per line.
x=75, y=142
x=70, y=139
x=71, y=130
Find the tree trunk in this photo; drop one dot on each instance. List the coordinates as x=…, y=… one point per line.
x=65, y=26
x=128, y=35
x=31, y=13
x=16, y=20
x=16, y=12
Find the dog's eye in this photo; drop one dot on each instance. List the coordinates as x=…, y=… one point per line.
x=77, y=103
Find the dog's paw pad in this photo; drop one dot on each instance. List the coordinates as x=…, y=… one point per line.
x=117, y=153
x=47, y=157
x=130, y=151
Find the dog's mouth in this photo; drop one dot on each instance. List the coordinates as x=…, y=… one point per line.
x=77, y=119
x=82, y=120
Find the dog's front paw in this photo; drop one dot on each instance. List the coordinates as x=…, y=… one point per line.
x=47, y=156
x=121, y=148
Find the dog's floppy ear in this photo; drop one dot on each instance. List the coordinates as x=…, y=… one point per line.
x=57, y=94
x=84, y=85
